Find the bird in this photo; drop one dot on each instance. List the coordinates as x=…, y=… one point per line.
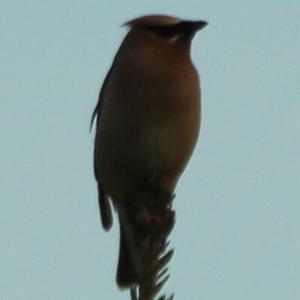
x=147, y=125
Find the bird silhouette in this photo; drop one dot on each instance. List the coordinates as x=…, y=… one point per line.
x=148, y=120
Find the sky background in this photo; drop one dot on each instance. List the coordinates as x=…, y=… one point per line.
x=237, y=204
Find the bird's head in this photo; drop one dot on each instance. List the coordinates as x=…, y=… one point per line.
x=168, y=28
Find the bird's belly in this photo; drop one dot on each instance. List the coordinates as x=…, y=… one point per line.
x=151, y=147
x=168, y=148
x=160, y=152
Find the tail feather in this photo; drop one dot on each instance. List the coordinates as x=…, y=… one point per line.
x=126, y=274
x=144, y=228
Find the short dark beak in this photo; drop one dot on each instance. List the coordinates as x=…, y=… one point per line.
x=198, y=25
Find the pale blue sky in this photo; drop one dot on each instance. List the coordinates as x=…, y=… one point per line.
x=237, y=230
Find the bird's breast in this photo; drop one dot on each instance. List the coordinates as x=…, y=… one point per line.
x=150, y=118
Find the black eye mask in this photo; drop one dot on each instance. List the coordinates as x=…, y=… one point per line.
x=183, y=28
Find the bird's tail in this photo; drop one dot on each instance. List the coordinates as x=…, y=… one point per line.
x=144, y=228
x=126, y=273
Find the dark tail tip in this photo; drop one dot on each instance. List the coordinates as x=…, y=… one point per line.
x=126, y=274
